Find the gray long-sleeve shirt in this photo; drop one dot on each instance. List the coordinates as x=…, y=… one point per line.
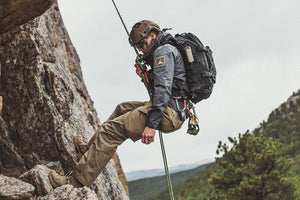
x=167, y=66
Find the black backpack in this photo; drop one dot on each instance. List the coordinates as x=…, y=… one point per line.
x=199, y=64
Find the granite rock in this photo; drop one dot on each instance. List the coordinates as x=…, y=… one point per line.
x=12, y=188
x=38, y=177
x=68, y=192
x=45, y=104
x=14, y=13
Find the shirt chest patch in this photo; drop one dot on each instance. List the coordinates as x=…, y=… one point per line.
x=160, y=61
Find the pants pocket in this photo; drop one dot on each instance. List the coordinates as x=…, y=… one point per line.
x=170, y=121
x=134, y=121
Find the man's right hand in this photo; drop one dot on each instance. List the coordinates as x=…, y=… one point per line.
x=138, y=70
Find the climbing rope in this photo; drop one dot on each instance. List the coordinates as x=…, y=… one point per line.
x=166, y=166
x=144, y=77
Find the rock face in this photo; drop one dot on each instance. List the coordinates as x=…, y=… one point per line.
x=45, y=104
x=67, y=192
x=14, y=13
x=0, y=104
x=12, y=188
x=38, y=177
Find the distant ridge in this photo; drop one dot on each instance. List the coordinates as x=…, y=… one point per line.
x=140, y=174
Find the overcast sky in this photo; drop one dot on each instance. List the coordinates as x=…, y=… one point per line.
x=256, y=45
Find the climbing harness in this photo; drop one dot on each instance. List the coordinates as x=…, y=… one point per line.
x=188, y=111
x=145, y=79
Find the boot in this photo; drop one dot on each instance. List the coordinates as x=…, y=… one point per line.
x=57, y=180
x=80, y=146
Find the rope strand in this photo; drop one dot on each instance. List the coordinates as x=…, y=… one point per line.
x=166, y=166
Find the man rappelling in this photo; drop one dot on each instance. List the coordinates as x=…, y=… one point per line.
x=166, y=111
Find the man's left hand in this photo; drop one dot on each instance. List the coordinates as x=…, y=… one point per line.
x=148, y=135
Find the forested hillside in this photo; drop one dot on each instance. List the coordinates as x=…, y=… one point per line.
x=284, y=124
x=260, y=160
x=139, y=189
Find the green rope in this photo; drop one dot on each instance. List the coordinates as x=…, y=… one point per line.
x=166, y=166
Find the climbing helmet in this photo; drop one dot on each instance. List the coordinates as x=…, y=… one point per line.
x=140, y=31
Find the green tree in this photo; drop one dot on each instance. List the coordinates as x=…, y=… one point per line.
x=252, y=169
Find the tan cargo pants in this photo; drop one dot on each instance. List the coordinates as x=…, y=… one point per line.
x=127, y=121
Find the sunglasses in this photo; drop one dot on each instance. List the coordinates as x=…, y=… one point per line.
x=140, y=44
